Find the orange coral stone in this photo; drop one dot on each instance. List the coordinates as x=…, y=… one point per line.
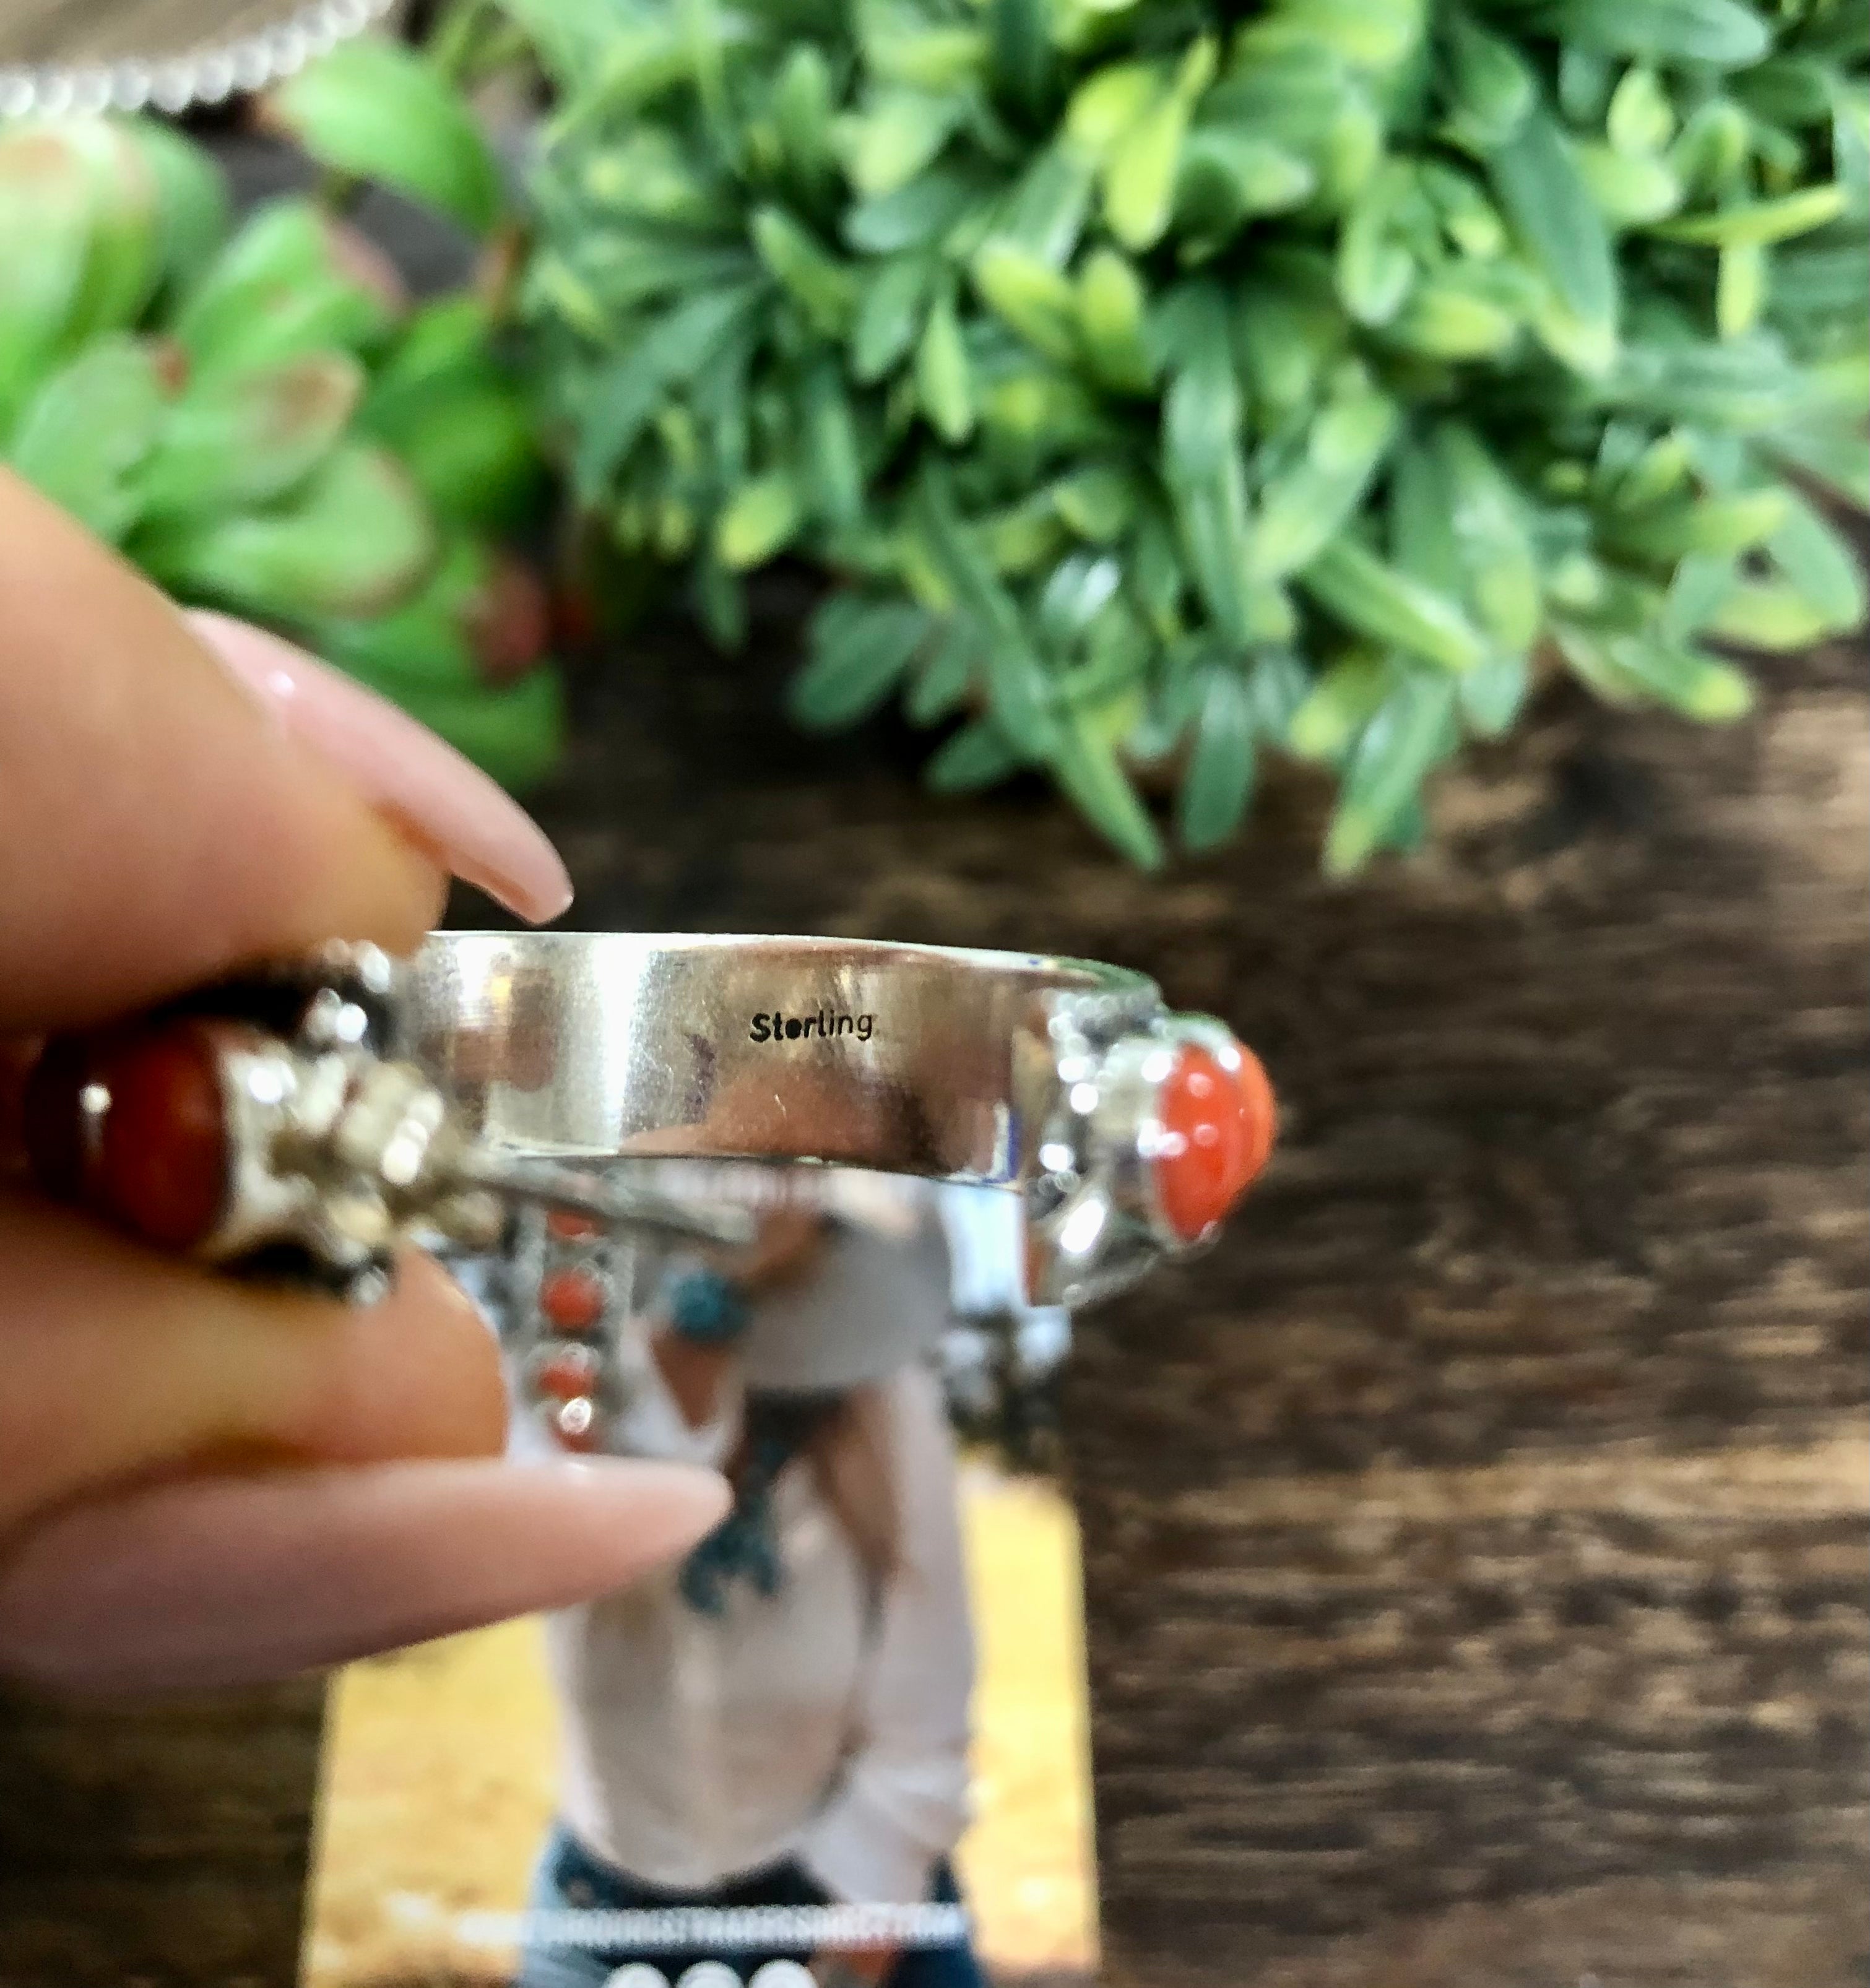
x=1218, y=1119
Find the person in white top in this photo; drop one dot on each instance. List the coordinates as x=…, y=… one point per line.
x=782, y=1721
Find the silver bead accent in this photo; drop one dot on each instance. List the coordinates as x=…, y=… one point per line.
x=173, y=84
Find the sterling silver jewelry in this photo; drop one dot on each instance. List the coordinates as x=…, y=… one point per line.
x=1065, y=1081
x=312, y=1117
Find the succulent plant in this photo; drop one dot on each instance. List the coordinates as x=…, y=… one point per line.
x=1161, y=383
x=260, y=420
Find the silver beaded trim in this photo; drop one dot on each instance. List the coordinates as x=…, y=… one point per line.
x=209, y=75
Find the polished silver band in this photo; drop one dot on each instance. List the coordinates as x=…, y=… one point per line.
x=1012, y=1069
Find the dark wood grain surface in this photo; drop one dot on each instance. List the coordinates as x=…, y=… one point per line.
x=1475, y=1545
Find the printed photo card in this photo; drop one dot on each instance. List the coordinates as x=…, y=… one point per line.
x=843, y=1742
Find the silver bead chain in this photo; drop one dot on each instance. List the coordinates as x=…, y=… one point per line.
x=171, y=84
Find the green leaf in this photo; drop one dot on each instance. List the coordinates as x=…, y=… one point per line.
x=45, y=205
x=1626, y=667
x=942, y=684
x=861, y=648
x=1228, y=175
x=1549, y=208
x=1097, y=501
x=83, y=436
x=822, y=287
x=944, y=380
x=1086, y=766
x=623, y=394
x=1302, y=508
x=1141, y=170
x=1376, y=600
x=1750, y=224
x=237, y=440
x=1767, y=614
x=1730, y=524
x=1109, y=103
x=425, y=644
x=898, y=134
x=1219, y=780
x=1456, y=315
x=475, y=455
x=372, y=109
x=760, y=520
x=1202, y=466
x=123, y=262
x=1111, y=306
x=1374, y=269
x=1835, y=454
x=834, y=471
x=977, y=756
x=1641, y=119
x=1326, y=723
x=914, y=216
x=1044, y=213
x=356, y=540
x=278, y=289
x=1724, y=34
x=192, y=197
x=1372, y=34
x=1024, y=66
x=1632, y=189
x=1422, y=533
x=1029, y=296
x=1499, y=561
x=1286, y=344
x=803, y=102
x=886, y=318
x=1823, y=568
x=1411, y=729
x=1491, y=89
x=1493, y=693
x=1016, y=679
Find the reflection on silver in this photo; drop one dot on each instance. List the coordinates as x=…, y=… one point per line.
x=175, y=83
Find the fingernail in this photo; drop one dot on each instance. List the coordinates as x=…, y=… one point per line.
x=213, y=1581
x=401, y=766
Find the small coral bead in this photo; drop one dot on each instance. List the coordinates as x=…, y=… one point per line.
x=571, y=1300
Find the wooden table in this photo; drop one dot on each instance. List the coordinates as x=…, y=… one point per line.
x=1475, y=1542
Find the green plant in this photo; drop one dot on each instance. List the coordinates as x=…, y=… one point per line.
x=1164, y=382
x=258, y=418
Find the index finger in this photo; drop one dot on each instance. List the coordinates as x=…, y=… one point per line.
x=157, y=826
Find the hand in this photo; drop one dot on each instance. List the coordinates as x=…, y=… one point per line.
x=201, y=1481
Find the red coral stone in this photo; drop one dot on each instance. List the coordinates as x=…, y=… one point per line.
x=572, y=1300
x=568, y=1227
x=565, y=1377
x=1218, y=1118
x=162, y=1162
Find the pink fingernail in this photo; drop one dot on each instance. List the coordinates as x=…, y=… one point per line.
x=212, y=1581
x=400, y=766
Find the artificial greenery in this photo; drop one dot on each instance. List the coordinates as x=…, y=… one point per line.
x=259, y=419
x=1166, y=382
